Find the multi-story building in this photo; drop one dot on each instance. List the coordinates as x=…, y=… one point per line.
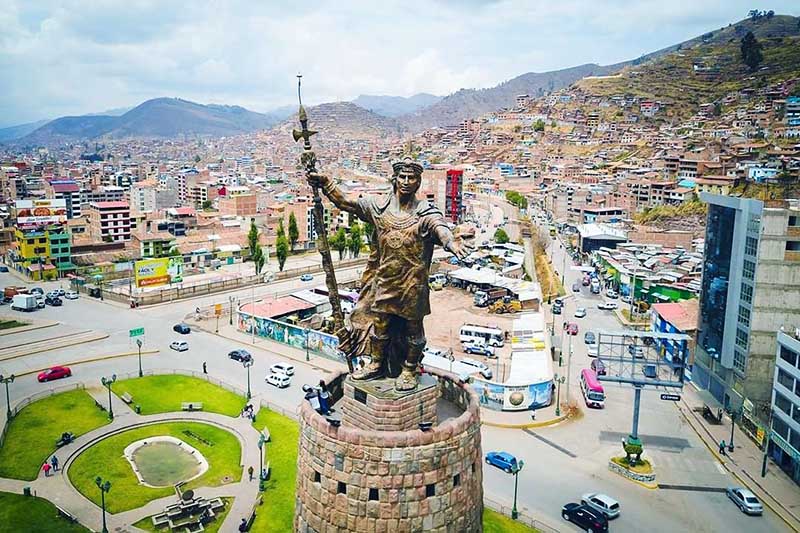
x=240, y=205
x=70, y=192
x=791, y=114
x=784, y=443
x=109, y=221
x=42, y=252
x=142, y=199
x=750, y=288
x=453, y=204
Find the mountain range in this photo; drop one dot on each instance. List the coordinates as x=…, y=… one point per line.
x=170, y=117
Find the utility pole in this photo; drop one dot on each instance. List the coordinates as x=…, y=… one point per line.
x=6, y=380
x=247, y=364
x=107, y=384
x=139, y=345
x=569, y=367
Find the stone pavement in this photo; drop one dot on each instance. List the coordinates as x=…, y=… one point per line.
x=776, y=490
x=58, y=490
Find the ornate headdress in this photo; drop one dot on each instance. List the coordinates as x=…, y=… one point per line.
x=407, y=163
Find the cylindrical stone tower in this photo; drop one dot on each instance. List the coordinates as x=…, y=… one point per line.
x=352, y=477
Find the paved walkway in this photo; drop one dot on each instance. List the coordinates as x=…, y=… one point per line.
x=57, y=489
x=776, y=490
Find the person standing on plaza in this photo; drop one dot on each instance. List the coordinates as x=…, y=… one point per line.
x=250, y=472
x=205, y=370
x=324, y=397
x=46, y=467
x=54, y=462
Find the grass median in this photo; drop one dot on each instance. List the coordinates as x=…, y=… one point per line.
x=105, y=459
x=146, y=524
x=494, y=522
x=28, y=513
x=166, y=393
x=32, y=434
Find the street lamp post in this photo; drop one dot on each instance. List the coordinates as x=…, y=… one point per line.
x=247, y=364
x=107, y=384
x=139, y=346
x=231, y=299
x=261, y=440
x=733, y=425
x=6, y=380
x=305, y=337
x=104, y=487
x=515, y=470
x=559, y=380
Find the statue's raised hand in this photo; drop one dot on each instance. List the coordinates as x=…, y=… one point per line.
x=309, y=160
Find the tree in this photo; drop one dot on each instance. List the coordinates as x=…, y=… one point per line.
x=281, y=246
x=339, y=242
x=206, y=204
x=538, y=125
x=751, y=51
x=252, y=238
x=294, y=233
x=500, y=236
x=355, y=239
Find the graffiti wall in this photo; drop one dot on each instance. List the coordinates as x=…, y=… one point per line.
x=319, y=343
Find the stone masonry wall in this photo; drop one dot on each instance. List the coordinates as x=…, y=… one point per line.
x=350, y=479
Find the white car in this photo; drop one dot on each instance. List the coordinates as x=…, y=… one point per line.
x=71, y=295
x=279, y=380
x=179, y=346
x=484, y=370
x=607, y=306
x=601, y=503
x=580, y=312
x=282, y=368
x=745, y=500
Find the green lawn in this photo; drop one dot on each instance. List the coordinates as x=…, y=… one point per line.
x=212, y=527
x=277, y=511
x=8, y=324
x=164, y=394
x=494, y=522
x=33, y=433
x=27, y=513
x=105, y=459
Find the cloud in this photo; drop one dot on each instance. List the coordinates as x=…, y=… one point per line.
x=79, y=56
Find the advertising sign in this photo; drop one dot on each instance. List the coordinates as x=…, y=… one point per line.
x=41, y=212
x=154, y=272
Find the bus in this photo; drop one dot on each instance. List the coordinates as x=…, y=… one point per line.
x=592, y=390
x=491, y=335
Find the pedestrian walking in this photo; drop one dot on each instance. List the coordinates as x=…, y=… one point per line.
x=205, y=370
x=54, y=462
x=324, y=405
x=46, y=469
x=722, y=447
x=533, y=414
x=243, y=525
x=250, y=472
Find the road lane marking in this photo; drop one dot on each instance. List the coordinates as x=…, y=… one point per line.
x=550, y=443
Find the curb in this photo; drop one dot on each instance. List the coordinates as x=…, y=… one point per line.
x=92, y=360
x=67, y=345
x=528, y=425
x=28, y=327
x=649, y=486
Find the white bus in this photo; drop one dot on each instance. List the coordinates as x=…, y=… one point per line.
x=493, y=336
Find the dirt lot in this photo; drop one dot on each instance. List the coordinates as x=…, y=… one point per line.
x=450, y=309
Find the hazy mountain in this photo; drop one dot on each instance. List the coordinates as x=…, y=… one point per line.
x=394, y=106
x=346, y=119
x=469, y=103
x=115, y=112
x=159, y=117
x=21, y=130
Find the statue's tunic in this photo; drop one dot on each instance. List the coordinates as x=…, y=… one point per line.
x=405, y=241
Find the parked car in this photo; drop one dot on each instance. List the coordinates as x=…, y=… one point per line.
x=182, y=328
x=3, y=268
x=56, y=372
x=279, y=380
x=59, y=292
x=502, y=460
x=586, y=281
x=572, y=328
x=37, y=290
x=71, y=295
x=476, y=348
x=636, y=351
x=556, y=309
x=598, y=366
x=282, y=368
x=611, y=293
x=438, y=352
x=306, y=277
x=584, y=517
x=576, y=287
x=40, y=303
x=484, y=370
x=240, y=355
x=51, y=294
x=179, y=346
x=745, y=500
x=580, y=312
x=589, y=338
x=625, y=298
x=55, y=301
x=593, y=350
x=602, y=503
x=607, y=306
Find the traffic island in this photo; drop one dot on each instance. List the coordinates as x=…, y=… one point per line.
x=642, y=472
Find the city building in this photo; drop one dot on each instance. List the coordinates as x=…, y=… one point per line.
x=784, y=443
x=750, y=288
x=109, y=221
x=70, y=192
x=453, y=205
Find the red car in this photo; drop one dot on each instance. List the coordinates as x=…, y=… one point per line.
x=57, y=372
x=572, y=328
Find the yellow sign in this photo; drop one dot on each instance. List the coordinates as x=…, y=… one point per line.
x=150, y=272
x=218, y=309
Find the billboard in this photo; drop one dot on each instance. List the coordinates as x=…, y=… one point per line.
x=41, y=212
x=154, y=272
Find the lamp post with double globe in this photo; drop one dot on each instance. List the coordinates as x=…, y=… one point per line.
x=247, y=363
x=515, y=470
x=104, y=487
x=6, y=380
x=107, y=384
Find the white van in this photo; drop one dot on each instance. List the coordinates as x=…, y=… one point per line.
x=279, y=380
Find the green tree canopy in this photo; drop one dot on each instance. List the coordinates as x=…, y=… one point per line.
x=281, y=246
x=294, y=233
x=338, y=241
x=355, y=239
x=500, y=236
x=538, y=125
x=751, y=51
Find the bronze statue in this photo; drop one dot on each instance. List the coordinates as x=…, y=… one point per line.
x=386, y=324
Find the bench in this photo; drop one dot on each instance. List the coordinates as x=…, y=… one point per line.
x=245, y=526
x=66, y=515
x=191, y=406
x=126, y=397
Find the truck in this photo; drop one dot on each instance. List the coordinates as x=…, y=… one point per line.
x=24, y=302
x=10, y=291
x=484, y=298
x=506, y=305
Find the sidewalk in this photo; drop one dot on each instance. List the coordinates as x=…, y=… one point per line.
x=546, y=416
x=776, y=490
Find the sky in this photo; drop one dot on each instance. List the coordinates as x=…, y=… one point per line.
x=73, y=57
